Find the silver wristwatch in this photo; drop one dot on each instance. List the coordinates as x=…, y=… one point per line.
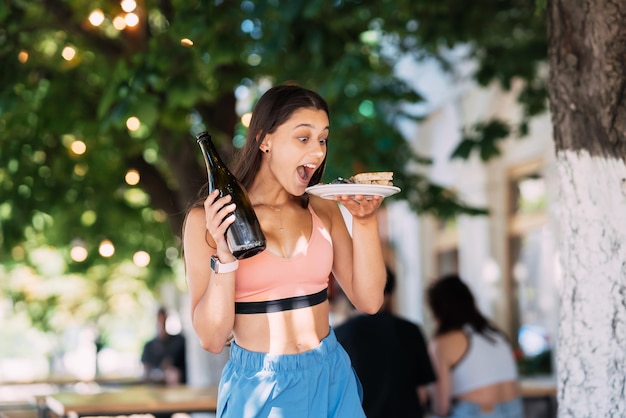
x=219, y=267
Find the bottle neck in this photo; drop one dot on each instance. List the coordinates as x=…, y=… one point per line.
x=210, y=153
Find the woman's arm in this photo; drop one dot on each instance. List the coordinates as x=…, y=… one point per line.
x=212, y=295
x=442, y=388
x=358, y=260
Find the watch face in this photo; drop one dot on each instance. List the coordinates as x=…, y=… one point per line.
x=214, y=263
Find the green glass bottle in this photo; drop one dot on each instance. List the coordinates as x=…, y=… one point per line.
x=244, y=236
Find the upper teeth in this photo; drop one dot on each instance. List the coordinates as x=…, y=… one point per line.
x=310, y=165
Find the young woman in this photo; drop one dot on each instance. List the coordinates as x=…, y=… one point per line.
x=284, y=360
x=474, y=364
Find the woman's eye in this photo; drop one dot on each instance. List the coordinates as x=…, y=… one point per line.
x=303, y=138
x=323, y=141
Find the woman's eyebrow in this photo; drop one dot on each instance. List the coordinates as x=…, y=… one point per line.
x=308, y=125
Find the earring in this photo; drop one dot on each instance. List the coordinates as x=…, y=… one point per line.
x=267, y=150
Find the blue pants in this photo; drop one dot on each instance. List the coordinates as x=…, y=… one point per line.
x=317, y=383
x=510, y=409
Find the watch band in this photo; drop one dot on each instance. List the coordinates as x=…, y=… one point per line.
x=220, y=268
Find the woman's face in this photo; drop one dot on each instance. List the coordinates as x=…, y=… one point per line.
x=297, y=148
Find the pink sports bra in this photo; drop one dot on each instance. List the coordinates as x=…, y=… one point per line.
x=269, y=283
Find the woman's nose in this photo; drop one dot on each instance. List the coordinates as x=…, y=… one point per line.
x=317, y=150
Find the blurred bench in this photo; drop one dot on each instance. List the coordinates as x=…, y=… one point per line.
x=144, y=399
x=539, y=396
x=18, y=411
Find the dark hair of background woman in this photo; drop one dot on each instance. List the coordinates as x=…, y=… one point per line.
x=453, y=305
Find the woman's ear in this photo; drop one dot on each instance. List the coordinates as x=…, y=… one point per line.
x=264, y=142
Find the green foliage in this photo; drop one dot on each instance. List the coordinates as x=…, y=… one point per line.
x=439, y=201
x=483, y=137
x=538, y=365
x=53, y=195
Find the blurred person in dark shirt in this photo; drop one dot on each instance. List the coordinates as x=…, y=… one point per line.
x=163, y=357
x=391, y=359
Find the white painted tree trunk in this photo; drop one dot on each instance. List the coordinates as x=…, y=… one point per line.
x=591, y=363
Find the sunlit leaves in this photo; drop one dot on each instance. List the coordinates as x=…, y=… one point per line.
x=482, y=138
x=67, y=144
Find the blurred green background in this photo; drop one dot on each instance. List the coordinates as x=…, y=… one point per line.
x=100, y=101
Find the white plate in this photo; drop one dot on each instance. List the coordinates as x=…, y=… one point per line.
x=329, y=191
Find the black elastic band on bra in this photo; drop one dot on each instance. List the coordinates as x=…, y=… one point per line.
x=279, y=305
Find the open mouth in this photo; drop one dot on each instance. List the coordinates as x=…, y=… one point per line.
x=305, y=171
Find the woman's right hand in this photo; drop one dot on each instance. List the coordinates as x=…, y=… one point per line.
x=219, y=216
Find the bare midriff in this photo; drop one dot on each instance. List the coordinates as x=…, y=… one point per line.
x=489, y=396
x=286, y=332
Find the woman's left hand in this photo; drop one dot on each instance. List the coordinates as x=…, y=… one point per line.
x=360, y=206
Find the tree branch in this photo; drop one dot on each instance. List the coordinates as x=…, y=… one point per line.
x=161, y=196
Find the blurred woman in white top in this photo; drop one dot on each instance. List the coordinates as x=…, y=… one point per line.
x=476, y=372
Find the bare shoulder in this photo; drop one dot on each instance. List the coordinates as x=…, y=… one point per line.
x=195, y=221
x=450, y=345
x=195, y=214
x=324, y=208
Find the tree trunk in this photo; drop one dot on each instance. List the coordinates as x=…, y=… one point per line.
x=592, y=339
x=587, y=56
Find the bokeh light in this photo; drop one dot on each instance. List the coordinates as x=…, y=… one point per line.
x=68, y=53
x=22, y=57
x=132, y=177
x=79, y=253
x=106, y=248
x=88, y=218
x=81, y=169
x=119, y=23
x=133, y=123
x=131, y=20
x=245, y=119
x=254, y=59
x=141, y=259
x=366, y=108
x=78, y=147
x=96, y=17
x=128, y=5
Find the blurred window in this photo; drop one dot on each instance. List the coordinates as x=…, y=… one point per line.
x=530, y=268
x=447, y=247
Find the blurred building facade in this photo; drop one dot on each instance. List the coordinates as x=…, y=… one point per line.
x=509, y=257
